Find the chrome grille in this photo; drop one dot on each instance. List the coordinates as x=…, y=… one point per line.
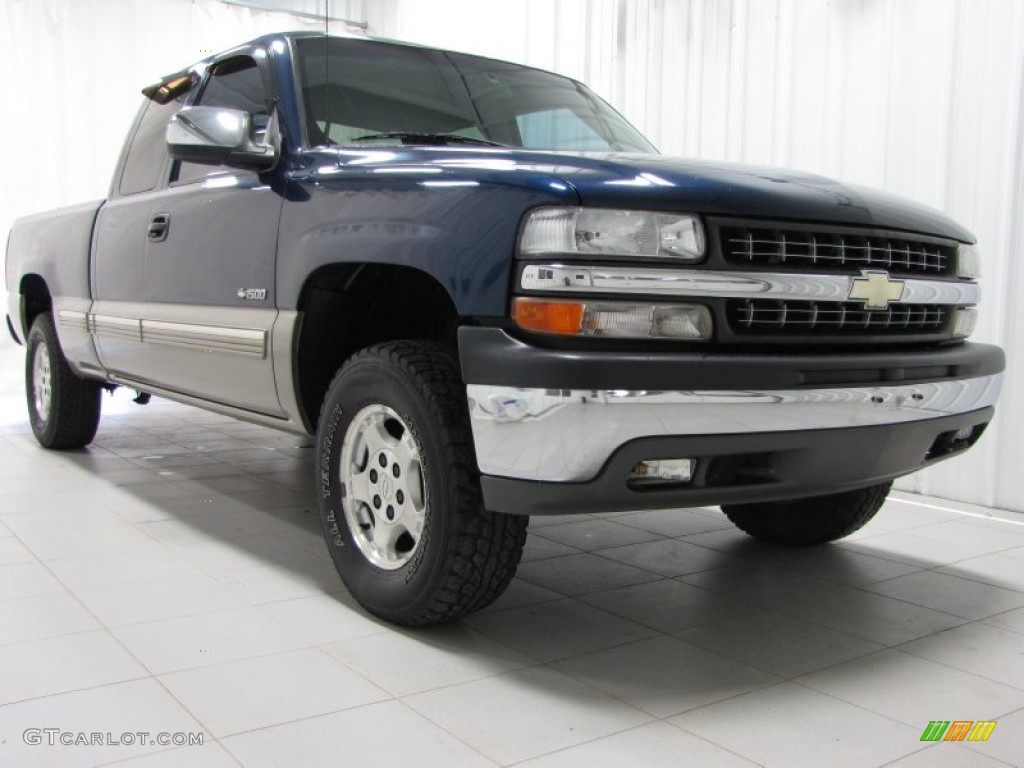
x=835, y=251
x=771, y=317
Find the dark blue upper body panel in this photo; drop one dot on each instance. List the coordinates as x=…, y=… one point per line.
x=658, y=182
x=454, y=212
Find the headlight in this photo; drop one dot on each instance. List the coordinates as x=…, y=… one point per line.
x=688, y=322
x=604, y=233
x=968, y=262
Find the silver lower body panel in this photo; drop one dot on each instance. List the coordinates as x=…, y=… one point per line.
x=554, y=435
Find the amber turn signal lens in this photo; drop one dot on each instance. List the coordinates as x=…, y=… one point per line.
x=548, y=316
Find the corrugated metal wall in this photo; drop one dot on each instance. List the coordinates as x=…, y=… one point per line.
x=924, y=98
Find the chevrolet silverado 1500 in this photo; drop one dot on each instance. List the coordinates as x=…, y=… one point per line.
x=489, y=297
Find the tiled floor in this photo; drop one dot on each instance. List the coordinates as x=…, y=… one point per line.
x=172, y=579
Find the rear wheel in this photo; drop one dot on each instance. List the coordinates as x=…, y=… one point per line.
x=64, y=408
x=813, y=520
x=400, y=496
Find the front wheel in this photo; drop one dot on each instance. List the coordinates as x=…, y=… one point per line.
x=399, y=491
x=64, y=408
x=813, y=520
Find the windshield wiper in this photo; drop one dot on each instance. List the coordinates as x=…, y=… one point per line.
x=428, y=138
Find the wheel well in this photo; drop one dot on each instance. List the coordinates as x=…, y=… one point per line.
x=347, y=307
x=37, y=299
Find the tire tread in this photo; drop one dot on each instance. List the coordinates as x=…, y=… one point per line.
x=74, y=402
x=488, y=545
x=809, y=521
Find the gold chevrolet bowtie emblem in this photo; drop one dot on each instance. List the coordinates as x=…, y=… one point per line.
x=875, y=289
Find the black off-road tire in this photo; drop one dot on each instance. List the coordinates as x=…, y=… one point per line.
x=805, y=522
x=466, y=555
x=74, y=402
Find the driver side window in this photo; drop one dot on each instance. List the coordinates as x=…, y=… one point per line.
x=234, y=83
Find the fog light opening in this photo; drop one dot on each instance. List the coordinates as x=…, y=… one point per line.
x=955, y=440
x=661, y=472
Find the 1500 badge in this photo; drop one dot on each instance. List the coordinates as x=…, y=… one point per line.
x=252, y=294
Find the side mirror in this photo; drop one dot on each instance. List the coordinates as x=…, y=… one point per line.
x=217, y=136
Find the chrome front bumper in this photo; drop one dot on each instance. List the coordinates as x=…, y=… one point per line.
x=568, y=435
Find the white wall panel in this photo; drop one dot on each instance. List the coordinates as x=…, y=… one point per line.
x=924, y=98
x=76, y=70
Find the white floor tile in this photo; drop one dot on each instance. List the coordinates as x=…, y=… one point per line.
x=54, y=544
x=257, y=693
x=1012, y=620
x=668, y=606
x=206, y=639
x=146, y=552
x=788, y=726
x=731, y=541
x=915, y=690
x=124, y=708
x=669, y=557
x=952, y=594
x=61, y=664
x=946, y=755
x=411, y=662
x=665, y=676
x=908, y=547
x=779, y=644
x=836, y=564
x=558, y=629
x=674, y=522
x=27, y=580
x=525, y=713
x=900, y=513
x=95, y=571
x=658, y=745
x=141, y=601
x=377, y=736
x=1006, y=742
x=521, y=593
x=589, y=535
x=1000, y=570
x=874, y=617
x=58, y=512
x=765, y=587
x=965, y=531
x=580, y=574
x=13, y=552
x=270, y=582
x=539, y=548
x=324, y=618
x=208, y=755
x=978, y=648
x=33, y=618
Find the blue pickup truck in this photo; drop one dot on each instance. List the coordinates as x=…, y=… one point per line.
x=490, y=297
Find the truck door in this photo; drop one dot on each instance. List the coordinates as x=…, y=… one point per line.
x=210, y=302
x=119, y=247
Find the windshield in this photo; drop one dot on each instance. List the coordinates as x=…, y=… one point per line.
x=356, y=91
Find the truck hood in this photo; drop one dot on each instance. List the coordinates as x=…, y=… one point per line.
x=742, y=190
x=658, y=182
